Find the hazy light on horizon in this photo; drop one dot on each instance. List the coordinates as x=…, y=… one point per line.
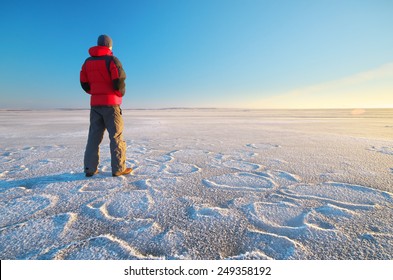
x=369, y=89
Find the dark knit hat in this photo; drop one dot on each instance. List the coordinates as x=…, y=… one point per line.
x=104, y=40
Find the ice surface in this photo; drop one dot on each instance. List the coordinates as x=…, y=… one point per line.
x=207, y=184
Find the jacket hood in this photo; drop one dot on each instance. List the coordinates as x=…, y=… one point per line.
x=100, y=51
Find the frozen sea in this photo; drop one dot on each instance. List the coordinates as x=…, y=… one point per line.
x=207, y=184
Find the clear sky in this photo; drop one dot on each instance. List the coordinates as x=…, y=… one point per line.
x=202, y=53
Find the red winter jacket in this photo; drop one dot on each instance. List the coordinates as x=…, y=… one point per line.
x=102, y=76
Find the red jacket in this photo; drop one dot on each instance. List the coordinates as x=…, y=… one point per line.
x=102, y=76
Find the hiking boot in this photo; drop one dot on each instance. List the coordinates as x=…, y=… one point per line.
x=89, y=174
x=124, y=172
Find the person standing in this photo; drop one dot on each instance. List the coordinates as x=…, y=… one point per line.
x=102, y=76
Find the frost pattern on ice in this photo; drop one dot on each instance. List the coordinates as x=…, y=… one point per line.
x=387, y=150
x=240, y=181
x=98, y=248
x=129, y=205
x=196, y=196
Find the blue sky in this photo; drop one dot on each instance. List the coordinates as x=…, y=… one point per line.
x=202, y=53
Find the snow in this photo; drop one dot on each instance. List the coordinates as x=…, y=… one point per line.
x=207, y=184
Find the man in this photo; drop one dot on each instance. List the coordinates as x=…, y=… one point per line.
x=103, y=77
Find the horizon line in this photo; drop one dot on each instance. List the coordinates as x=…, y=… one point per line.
x=197, y=108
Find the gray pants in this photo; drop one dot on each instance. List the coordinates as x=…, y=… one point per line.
x=109, y=118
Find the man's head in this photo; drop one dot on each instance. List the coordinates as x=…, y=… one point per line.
x=104, y=40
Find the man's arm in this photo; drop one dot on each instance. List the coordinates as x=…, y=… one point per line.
x=118, y=76
x=83, y=79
